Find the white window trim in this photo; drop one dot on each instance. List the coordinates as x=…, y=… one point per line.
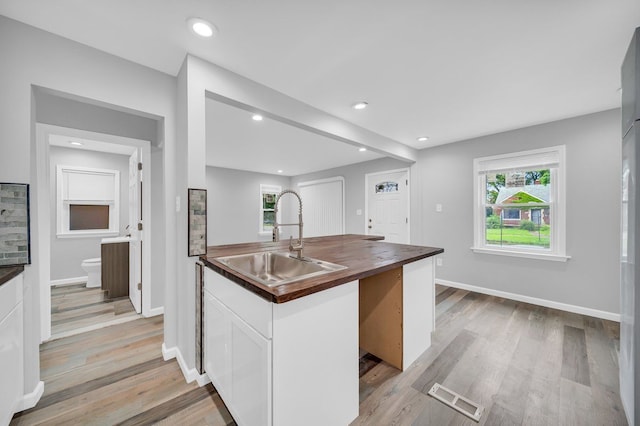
x=557, y=251
x=267, y=189
x=62, y=211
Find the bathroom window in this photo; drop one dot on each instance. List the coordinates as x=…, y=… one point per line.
x=87, y=201
x=520, y=204
x=268, y=194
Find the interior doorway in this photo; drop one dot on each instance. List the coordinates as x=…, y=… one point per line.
x=136, y=156
x=387, y=205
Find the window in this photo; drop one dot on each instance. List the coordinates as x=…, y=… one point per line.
x=520, y=204
x=387, y=187
x=268, y=194
x=87, y=201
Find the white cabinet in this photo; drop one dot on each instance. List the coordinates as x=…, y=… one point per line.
x=250, y=374
x=11, y=348
x=237, y=357
x=288, y=364
x=216, y=332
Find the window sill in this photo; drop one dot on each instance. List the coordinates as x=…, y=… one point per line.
x=89, y=235
x=528, y=254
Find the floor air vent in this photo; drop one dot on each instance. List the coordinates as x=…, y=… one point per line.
x=457, y=402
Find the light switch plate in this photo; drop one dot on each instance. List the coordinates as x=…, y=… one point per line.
x=178, y=204
x=438, y=208
x=359, y=212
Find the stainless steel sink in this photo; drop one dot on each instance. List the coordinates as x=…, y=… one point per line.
x=274, y=268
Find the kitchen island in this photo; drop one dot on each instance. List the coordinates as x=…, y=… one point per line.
x=288, y=354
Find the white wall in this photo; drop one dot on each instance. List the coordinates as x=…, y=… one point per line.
x=354, y=183
x=68, y=253
x=233, y=205
x=34, y=57
x=590, y=278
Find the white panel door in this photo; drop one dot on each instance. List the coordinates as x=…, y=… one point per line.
x=250, y=374
x=135, y=219
x=217, y=362
x=323, y=207
x=388, y=206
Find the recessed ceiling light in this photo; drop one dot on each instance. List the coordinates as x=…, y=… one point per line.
x=360, y=105
x=279, y=171
x=362, y=149
x=256, y=117
x=423, y=139
x=75, y=143
x=202, y=28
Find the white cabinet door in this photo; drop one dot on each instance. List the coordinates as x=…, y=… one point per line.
x=11, y=388
x=216, y=345
x=237, y=359
x=250, y=374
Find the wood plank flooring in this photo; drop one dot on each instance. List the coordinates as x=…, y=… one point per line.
x=77, y=309
x=526, y=364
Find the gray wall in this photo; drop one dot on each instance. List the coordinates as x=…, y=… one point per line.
x=62, y=111
x=591, y=277
x=354, y=182
x=68, y=253
x=158, y=252
x=233, y=202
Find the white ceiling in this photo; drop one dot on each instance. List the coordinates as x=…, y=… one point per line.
x=447, y=69
x=236, y=141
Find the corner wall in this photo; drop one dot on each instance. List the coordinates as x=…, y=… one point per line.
x=590, y=279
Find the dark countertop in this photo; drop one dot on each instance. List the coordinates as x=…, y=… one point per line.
x=363, y=255
x=9, y=272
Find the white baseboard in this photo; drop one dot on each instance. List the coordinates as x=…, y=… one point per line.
x=30, y=400
x=69, y=281
x=534, y=300
x=190, y=374
x=155, y=312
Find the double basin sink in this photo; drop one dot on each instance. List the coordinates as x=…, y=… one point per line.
x=276, y=268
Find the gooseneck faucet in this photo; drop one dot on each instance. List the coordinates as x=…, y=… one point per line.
x=276, y=231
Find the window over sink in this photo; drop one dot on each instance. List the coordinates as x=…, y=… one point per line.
x=268, y=194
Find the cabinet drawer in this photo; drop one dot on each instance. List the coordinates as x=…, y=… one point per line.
x=256, y=311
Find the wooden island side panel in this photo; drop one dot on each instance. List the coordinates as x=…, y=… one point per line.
x=380, y=315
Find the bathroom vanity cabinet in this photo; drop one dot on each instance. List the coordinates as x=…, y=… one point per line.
x=115, y=269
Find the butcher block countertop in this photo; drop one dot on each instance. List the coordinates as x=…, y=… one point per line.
x=363, y=255
x=9, y=272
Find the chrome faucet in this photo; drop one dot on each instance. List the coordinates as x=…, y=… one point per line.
x=276, y=231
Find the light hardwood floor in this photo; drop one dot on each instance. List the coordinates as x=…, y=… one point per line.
x=526, y=364
x=77, y=309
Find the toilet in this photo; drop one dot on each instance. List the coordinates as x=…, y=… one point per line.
x=92, y=268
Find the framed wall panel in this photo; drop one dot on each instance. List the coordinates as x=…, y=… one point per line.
x=15, y=237
x=197, y=222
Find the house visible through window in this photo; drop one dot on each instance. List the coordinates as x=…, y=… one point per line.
x=87, y=201
x=268, y=194
x=520, y=204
